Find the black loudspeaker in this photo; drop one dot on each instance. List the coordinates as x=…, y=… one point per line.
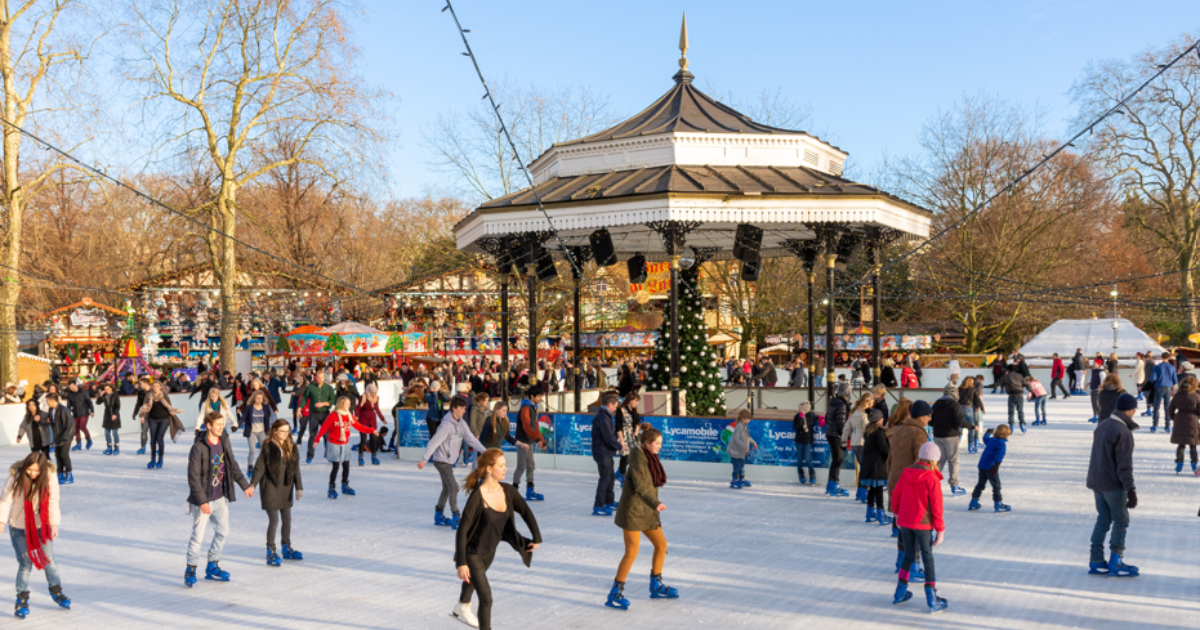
x=750, y=271
x=747, y=243
x=637, y=269
x=504, y=262
x=602, y=248
x=546, y=270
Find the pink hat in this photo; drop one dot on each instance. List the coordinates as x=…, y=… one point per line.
x=929, y=451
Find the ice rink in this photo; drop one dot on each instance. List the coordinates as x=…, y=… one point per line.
x=773, y=556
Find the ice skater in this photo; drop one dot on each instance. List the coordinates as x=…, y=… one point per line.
x=212, y=472
x=605, y=445
x=740, y=445
x=835, y=424
x=804, y=424
x=906, y=436
x=257, y=416
x=529, y=435
x=36, y=424
x=488, y=519
x=213, y=402
x=318, y=398
x=29, y=506
x=873, y=474
x=443, y=449
x=62, y=426
x=336, y=431
x=995, y=446
x=1110, y=477
x=918, y=497
x=638, y=514
x=1185, y=408
x=82, y=409
x=157, y=413
x=110, y=419
x=1037, y=396
x=370, y=416
x=277, y=475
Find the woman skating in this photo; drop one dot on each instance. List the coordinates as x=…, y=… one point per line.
x=29, y=506
x=487, y=520
x=215, y=402
x=369, y=416
x=336, y=430
x=1185, y=408
x=36, y=425
x=628, y=422
x=278, y=472
x=110, y=419
x=638, y=515
x=157, y=411
x=257, y=416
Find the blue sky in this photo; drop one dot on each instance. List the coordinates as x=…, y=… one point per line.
x=872, y=72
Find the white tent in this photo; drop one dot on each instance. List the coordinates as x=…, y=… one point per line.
x=1092, y=335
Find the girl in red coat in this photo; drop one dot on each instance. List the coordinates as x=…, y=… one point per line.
x=918, y=501
x=336, y=430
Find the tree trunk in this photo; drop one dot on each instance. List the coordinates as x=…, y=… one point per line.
x=1188, y=291
x=13, y=218
x=228, y=279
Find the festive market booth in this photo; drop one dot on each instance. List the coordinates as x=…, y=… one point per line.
x=1105, y=336
x=686, y=181
x=81, y=337
x=349, y=339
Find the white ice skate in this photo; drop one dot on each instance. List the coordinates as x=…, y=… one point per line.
x=463, y=613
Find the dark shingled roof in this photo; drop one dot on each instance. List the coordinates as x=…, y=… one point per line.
x=687, y=109
x=733, y=180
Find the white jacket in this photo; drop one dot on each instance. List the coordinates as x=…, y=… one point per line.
x=12, y=508
x=1139, y=372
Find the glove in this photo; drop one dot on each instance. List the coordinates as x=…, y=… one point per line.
x=937, y=540
x=1131, y=499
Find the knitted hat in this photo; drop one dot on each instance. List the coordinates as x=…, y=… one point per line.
x=929, y=451
x=920, y=408
x=1126, y=403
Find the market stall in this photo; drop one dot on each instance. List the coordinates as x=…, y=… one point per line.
x=80, y=337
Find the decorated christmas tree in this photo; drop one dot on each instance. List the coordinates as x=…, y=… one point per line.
x=699, y=375
x=281, y=345
x=395, y=343
x=335, y=344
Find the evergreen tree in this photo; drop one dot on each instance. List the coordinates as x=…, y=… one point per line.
x=699, y=374
x=335, y=344
x=395, y=343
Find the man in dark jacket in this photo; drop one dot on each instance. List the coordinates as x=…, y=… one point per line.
x=835, y=423
x=804, y=423
x=212, y=471
x=82, y=409
x=1110, y=477
x=127, y=386
x=1076, y=374
x=604, y=446
x=1014, y=385
x=63, y=428
x=947, y=423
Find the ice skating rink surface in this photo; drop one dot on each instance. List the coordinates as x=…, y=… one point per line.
x=772, y=556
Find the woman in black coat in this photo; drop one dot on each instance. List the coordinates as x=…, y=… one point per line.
x=887, y=374
x=110, y=419
x=874, y=470
x=278, y=472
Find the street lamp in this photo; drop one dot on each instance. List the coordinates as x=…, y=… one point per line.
x=1115, y=325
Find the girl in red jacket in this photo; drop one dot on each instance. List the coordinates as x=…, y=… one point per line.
x=336, y=430
x=918, y=501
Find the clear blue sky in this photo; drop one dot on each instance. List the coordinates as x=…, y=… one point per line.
x=873, y=72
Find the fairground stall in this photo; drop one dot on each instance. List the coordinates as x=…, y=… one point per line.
x=80, y=338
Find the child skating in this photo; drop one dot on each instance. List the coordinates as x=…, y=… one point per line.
x=336, y=430
x=918, y=500
x=740, y=444
x=443, y=449
x=995, y=447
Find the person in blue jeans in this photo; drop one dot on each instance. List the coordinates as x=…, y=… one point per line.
x=1014, y=385
x=804, y=424
x=738, y=448
x=1110, y=478
x=29, y=486
x=1165, y=378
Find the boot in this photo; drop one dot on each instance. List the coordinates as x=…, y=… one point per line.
x=974, y=505
x=22, y=609
x=291, y=554
x=360, y=459
x=658, y=590
x=440, y=519
x=116, y=449
x=616, y=596
x=836, y=491
x=860, y=494
x=454, y=519
x=936, y=604
x=883, y=518
x=1098, y=568
x=743, y=483
x=142, y=451
x=957, y=491
x=346, y=489
x=374, y=460
x=1178, y=467
x=273, y=558
x=89, y=447
x=899, y=559
x=108, y=451
x=1118, y=568
x=70, y=477
x=332, y=494
x=733, y=483
x=604, y=510
x=215, y=573
x=1000, y=507
x=463, y=613
x=902, y=595
x=803, y=481
x=530, y=495
x=59, y=598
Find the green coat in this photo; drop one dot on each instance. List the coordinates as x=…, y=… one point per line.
x=638, y=509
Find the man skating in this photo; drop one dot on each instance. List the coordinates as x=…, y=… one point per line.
x=212, y=471
x=605, y=445
x=1014, y=385
x=319, y=396
x=1110, y=477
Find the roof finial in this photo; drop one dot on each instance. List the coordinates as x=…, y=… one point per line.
x=683, y=76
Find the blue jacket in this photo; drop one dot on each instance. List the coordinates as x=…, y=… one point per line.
x=268, y=419
x=993, y=452
x=273, y=386
x=434, y=403
x=604, y=436
x=1164, y=375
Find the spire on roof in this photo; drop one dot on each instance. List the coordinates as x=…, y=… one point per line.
x=683, y=76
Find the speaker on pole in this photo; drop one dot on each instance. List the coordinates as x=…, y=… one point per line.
x=747, y=242
x=602, y=248
x=546, y=270
x=750, y=271
x=637, y=268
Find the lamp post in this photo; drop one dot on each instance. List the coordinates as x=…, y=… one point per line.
x=1115, y=325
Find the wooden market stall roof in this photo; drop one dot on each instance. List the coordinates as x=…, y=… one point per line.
x=84, y=303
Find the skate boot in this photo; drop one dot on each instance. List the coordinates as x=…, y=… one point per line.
x=150, y=465
x=291, y=554
x=1194, y=467
x=273, y=558
x=901, y=595
x=1000, y=507
x=348, y=490
x=530, y=495
x=957, y=491
x=616, y=597
x=360, y=460
x=658, y=590
x=743, y=483
x=1154, y=429
x=463, y=613
x=89, y=447
x=374, y=460
x=455, y=517
x=332, y=494
x=974, y=505
x=1178, y=467
x=733, y=483
x=1098, y=568
x=70, y=477
x=60, y=599
x=141, y=451
x=108, y=451
x=613, y=506
x=870, y=514
x=62, y=479
x=189, y=576
x=215, y=573
x=1118, y=568
x=440, y=519
x=899, y=559
x=835, y=490
x=803, y=481
x=603, y=510
x=116, y=449
x=78, y=446
x=22, y=609
x=860, y=494
x=936, y=604
x=882, y=517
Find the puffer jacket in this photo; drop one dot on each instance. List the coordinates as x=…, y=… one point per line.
x=1185, y=407
x=835, y=419
x=918, y=498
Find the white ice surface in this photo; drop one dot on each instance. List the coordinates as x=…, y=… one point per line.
x=774, y=556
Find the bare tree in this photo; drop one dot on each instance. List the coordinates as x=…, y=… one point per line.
x=227, y=74
x=1152, y=149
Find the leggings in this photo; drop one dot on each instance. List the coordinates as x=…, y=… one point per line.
x=1179, y=453
x=449, y=487
x=624, y=463
x=81, y=427
x=273, y=520
x=367, y=442
x=632, y=540
x=875, y=497
x=62, y=452
x=345, y=473
x=478, y=565
x=158, y=431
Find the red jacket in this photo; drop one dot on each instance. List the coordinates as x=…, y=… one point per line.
x=1057, y=370
x=918, y=498
x=338, y=426
x=908, y=378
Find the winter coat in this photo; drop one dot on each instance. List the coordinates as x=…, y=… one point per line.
x=1057, y=370
x=875, y=456
x=200, y=471
x=638, y=509
x=969, y=398
x=948, y=419
x=994, y=450
x=275, y=478
x=628, y=420
x=904, y=447
x=739, y=442
x=62, y=424
x=1095, y=378
x=1185, y=407
x=111, y=419
x=79, y=402
x=918, y=498
x=477, y=416
x=887, y=376
x=41, y=433
x=1013, y=383
x=1036, y=390
x=835, y=419
x=855, y=427
x=527, y=424
x=1139, y=372
x=769, y=376
x=1077, y=361
x=804, y=426
x=469, y=525
x=908, y=378
x=1111, y=465
x=1108, y=400
x=12, y=504
x=604, y=438
x=493, y=438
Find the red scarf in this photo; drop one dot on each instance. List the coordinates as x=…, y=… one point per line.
x=37, y=534
x=657, y=474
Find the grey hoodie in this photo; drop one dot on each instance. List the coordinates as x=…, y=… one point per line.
x=445, y=445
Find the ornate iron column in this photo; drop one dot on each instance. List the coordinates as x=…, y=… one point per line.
x=877, y=237
x=807, y=252
x=501, y=250
x=829, y=237
x=578, y=256
x=673, y=237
